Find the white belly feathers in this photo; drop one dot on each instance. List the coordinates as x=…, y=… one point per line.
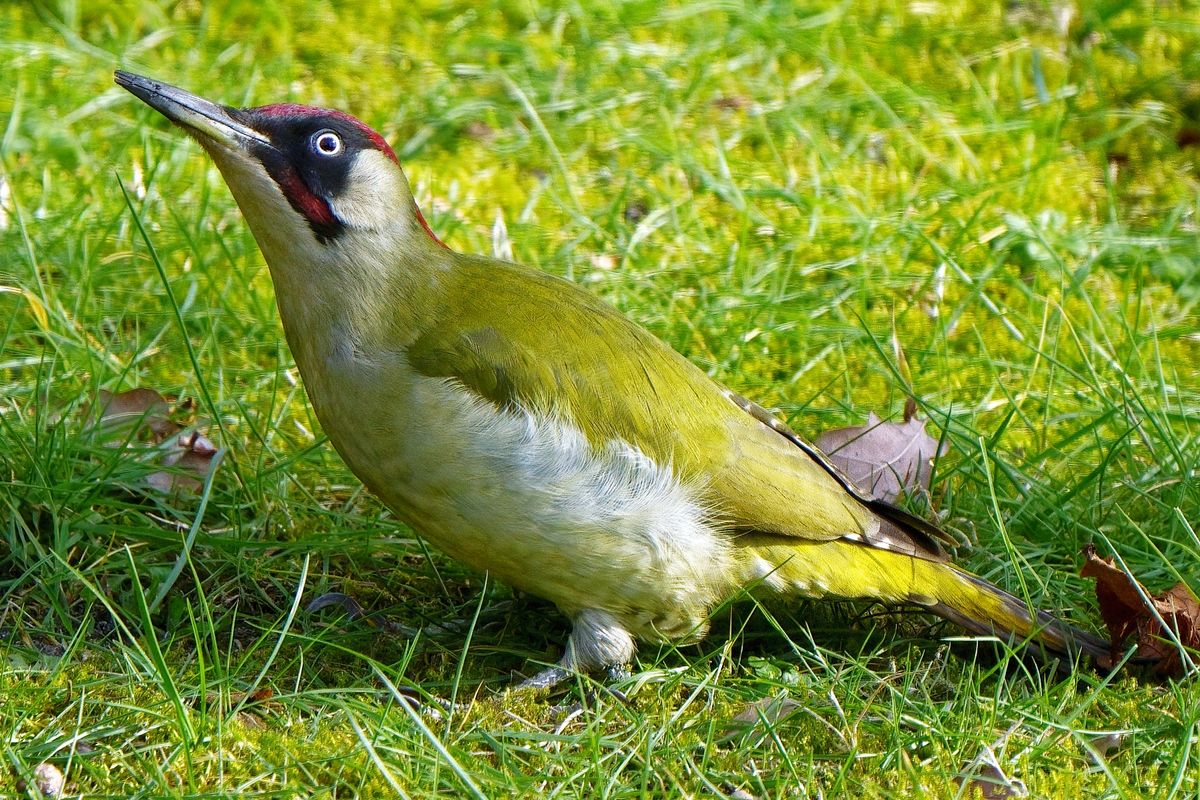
x=527, y=496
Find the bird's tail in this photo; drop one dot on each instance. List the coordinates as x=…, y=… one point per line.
x=856, y=571
x=986, y=609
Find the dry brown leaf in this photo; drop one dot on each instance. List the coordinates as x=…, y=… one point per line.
x=733, y=102
x=760, y=714
x=189, y=458
x=143, y=416
x=1126, y=612
x=137, y=410
x=263, y=694
x=887, y=459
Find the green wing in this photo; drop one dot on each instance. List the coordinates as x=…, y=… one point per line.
x=568, y=353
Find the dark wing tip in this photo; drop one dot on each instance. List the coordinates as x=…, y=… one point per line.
x=926, y=535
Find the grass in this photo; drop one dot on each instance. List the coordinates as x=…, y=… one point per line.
x=1008, y=191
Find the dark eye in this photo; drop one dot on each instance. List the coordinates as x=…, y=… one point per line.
x=327, y=143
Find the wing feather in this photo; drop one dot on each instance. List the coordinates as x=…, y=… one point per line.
x=577, y=357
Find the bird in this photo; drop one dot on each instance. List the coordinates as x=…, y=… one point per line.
x=530, y=430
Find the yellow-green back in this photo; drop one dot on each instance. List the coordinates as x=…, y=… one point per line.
x=519, y=337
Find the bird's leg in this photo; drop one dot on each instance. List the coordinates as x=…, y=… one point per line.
x=598, y=642
x=546, y=679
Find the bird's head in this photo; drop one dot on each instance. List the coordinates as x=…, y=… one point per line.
x=303, y=176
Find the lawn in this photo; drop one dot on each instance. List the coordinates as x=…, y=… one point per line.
x=992, y=208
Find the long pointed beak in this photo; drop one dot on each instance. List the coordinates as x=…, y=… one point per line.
x=195, y=114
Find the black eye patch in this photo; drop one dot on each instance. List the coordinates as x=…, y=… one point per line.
x=320, y=145
x=310, y=157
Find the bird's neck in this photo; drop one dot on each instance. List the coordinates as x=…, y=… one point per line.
x=372, y=283
x=366, y=290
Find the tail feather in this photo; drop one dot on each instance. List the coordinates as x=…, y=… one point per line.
x=991, y=611
x=855, y=570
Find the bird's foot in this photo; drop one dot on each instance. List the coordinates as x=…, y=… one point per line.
x=545, y=680
x=549, y=678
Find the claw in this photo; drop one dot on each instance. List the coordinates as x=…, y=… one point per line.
x=550, y=677
x=598, y=642
x=545, y=680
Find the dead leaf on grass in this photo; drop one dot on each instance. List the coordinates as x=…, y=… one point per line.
x=263, y=694
x=760, y=716
x=733, y=102
x=189, y=458
x=887, y=459
x=141, y=419
x=136, y=413
x=1128, y=610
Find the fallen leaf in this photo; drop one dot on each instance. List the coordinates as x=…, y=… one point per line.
x=141, y=419
x=887, y=459
x=189, y=460
x=135, y=411
x=263, y=694
x=1129, y=610
x=759, y=715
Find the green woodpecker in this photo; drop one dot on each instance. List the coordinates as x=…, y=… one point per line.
x=526, y=428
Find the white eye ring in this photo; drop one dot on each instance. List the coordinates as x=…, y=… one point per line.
x=327, y=143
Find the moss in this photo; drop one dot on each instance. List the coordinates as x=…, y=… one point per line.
x=777, y=190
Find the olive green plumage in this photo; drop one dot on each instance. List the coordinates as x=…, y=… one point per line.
x=575, y=356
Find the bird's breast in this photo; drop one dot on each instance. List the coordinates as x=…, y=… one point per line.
x=524, y=495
